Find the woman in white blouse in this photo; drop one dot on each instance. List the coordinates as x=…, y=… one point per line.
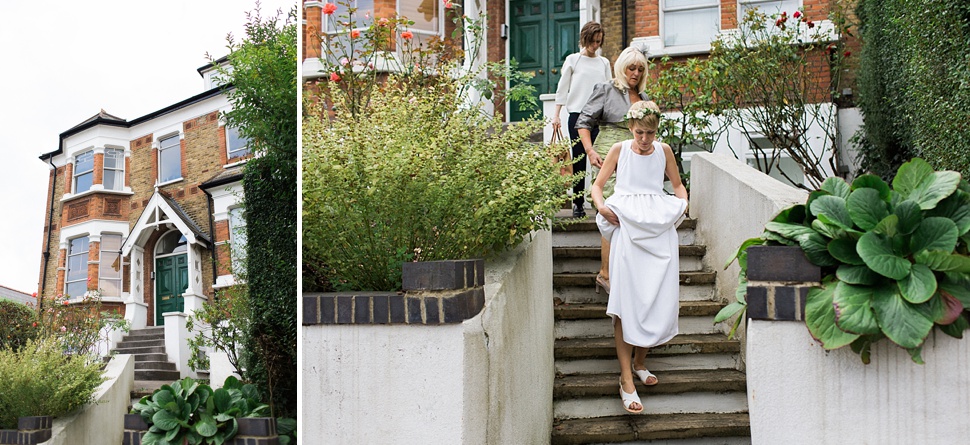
x=580, y=72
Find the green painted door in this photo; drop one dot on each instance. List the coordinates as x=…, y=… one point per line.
x=171, y=280
x=542, y=34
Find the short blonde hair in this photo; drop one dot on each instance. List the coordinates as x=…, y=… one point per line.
x=629, y=56
x=644, y=114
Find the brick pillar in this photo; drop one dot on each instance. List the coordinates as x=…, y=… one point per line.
x=94, y=261
x=223, y=144
x=61, y=271
x=312, y=46
x=68, y=177
x=729, y=14
x=98, y=168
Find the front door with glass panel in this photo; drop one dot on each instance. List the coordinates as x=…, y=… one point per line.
x=171, y=275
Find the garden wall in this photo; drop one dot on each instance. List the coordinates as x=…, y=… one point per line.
x=100, y=422
x=416, y=371
x=732, y=202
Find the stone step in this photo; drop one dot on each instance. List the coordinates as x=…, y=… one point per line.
x=156, y=365
x=589, y=279
x=127, y=343
x=670, y=382
x=155, y=357
x=604, y=347
x=560, y=253
x=653, y=404
x=639, y=428
x=597, y=327
x=142, y=350
x=598, y=310
x=680, y=362
x=587, y=294
x=156, y=374
x=146, y=332
x=585, y=234
x=146, y=388
x=588, y=224
x=592, y=265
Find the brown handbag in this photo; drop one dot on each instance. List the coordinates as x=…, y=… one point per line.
x=565, y=155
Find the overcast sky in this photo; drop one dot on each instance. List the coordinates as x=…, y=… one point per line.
x=63, y=61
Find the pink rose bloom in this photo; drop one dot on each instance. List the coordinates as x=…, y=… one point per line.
x=407, y=35
x=344, y=61
x=334, y=77
x=329, y=8
x=449, y=4
x=355, y=34
x=63, y=328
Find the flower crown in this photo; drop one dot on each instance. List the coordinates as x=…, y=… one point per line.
x=640, y=114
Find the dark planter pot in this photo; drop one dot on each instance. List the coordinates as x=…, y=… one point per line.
x=30, y=430
x=252, y=430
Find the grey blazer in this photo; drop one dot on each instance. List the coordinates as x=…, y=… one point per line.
x=606, y=104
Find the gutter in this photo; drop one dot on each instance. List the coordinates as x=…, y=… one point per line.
x=623, y=27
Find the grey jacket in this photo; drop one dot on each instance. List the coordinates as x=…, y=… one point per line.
x=605, y=105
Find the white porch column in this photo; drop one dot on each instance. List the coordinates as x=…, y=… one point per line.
x=194, y=297
x=136, y=310
x=177, y=342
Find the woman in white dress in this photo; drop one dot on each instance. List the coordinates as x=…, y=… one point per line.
x=640, y=222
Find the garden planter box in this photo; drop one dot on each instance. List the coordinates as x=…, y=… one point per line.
x=252, y=431
x=800, y=393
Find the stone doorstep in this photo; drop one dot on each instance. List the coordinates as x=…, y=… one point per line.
x=604, y=347
x=589, y=279
x=594, y=252
x=671, y=382
x=144, y=350
x=156, y=365
x=585, y=311
x=127, y=343
x=655, y=427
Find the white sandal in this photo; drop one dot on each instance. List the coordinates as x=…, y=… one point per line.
x=644, y=374
x=629, y=398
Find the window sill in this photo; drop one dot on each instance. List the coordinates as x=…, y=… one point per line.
x=170, y=182
x=70, y=197
x=241, y=161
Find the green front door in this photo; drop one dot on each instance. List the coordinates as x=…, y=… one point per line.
x=543, y=33
x=171, y=280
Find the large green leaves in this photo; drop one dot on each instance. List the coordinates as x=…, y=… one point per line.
x=832, y=210
x=935, y=188
x=943, y=261
x=858, y=275
x=899, y=320
x=935, y=233
x=877, y=252
x=919, y=285
x=844, y=250
x=820, y=318
x=908, y=215
x=873, y=182
x=853, y=311
x=910, y=174
x=866, y=208
x=836, y=186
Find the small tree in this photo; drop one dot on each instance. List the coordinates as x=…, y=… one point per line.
x=779, y=76
x=687, y=88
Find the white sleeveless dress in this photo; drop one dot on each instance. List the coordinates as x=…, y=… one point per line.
x=644, y=255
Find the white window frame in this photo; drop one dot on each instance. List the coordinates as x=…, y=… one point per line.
x=161, y=149
x=67, y=265
x=744, y=5
x=119, y=170
x=237, y=151
x=426, y=33
x=103, y=265
x=237, y=239
x=78, y=174
x=697, y=47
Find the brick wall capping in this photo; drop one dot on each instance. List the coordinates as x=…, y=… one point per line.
x=443, y=275
x=30, y=430
x=252, y=431
x=781, y=263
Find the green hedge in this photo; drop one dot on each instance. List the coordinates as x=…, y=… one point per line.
x=18, y=324
x=913, y=84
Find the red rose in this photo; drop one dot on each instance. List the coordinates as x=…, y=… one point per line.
x=355, y=34
x=329, y=8
x=847, y=53
x=810, y=24
x=797, y=14
x=407, y=35
x=334, y=77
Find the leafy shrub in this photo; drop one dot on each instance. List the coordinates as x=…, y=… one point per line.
x=410, y=167
x=18, y=324
x=40, y=380
x=79, y=325
x=912, y=84
x=188, y=410
x=895, y=261
x=221, y=325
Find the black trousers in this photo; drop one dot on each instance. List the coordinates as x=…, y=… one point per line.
x=578, y=151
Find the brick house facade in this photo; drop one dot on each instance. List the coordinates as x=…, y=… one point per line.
x=127, y=197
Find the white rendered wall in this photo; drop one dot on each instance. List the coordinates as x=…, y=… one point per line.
x=732, y=202
x=487, y=380
x=101, y=422
x=800, y=394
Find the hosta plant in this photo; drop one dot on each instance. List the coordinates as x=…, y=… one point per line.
x=894, y=259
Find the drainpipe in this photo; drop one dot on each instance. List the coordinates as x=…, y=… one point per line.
x=212, y=232
x=623, y=27
x=47, y=246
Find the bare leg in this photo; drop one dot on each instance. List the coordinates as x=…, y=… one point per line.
x=639, y=363
x=604, y=259
x=623, y=352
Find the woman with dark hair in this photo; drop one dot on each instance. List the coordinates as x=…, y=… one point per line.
x=580, y=71
x=606, y=106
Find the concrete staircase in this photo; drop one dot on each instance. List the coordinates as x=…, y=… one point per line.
x=152, y=368
x=701, y=396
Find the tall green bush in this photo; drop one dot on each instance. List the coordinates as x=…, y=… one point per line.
x=912, y=84
x=40, y=380
x=262, y=89
x=18, y=324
